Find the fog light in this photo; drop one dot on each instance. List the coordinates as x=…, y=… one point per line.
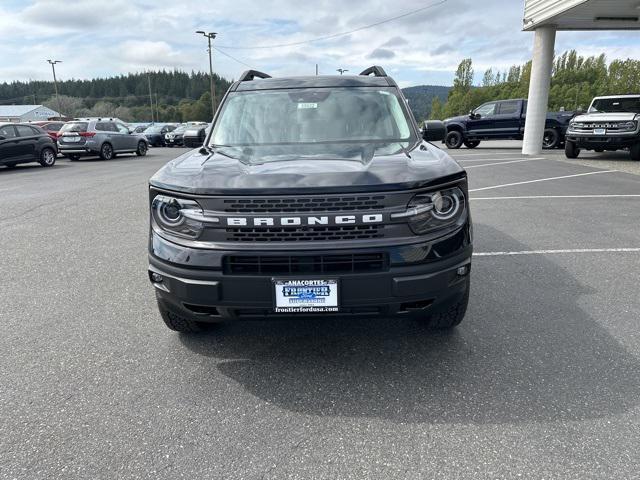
x=462, y=271
x=156, y=277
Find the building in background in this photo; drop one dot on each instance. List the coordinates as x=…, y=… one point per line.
x=26, y=113
x=545, y=18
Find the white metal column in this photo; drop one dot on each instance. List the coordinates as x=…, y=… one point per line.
x=543, y=47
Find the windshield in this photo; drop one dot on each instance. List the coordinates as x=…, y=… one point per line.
x=615, y=105
x=333, y=123
x=154, y=129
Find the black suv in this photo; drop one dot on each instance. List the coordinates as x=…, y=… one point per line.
x=311, y=196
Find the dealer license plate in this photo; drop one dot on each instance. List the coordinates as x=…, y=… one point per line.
x=74, y=138
x=599, y=131
x=306, y=296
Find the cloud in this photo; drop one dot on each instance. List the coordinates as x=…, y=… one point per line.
x=98, y=38
x=442, y=49
x=395, y=42
x=78, y=16
x=381, y=53
x=150, y=54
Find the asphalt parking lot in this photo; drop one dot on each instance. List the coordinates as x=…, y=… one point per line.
x=542, y=380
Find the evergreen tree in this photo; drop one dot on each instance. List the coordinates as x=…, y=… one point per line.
x=437, y=113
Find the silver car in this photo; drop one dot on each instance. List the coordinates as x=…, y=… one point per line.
x=105, y=137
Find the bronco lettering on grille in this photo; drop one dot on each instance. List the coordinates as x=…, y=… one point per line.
x=297, y=221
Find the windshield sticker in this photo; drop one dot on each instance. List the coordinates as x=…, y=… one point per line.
x=307, y=105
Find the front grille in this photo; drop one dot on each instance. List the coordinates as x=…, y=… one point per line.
x=351, y=203
x=305, y=264
x=609, y=127
x=304, y=234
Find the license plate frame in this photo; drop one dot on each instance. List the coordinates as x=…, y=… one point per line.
x=599, y=131
x=306, y=295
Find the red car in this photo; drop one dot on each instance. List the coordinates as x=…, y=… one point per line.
x=51, y=127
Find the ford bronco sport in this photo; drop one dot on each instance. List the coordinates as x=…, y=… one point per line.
x=312, y=196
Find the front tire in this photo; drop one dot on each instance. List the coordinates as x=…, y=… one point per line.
x=142, y=149
x=452, y=314
x=550, y=139
x=454, y=140
x=471, y=143
x=635, y=152
x=106, y=151
x=571, y=150
x=178, y=323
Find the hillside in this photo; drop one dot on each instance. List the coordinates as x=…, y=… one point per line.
x=176, y=96
x=421, y=96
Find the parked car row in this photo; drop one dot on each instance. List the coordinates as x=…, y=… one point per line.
x=97, y=136
x=175, y=138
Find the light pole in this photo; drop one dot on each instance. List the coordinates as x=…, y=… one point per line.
x=342, y=70
x=210, y=36
x=55, y=81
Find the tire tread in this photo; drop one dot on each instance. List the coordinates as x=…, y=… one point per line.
x=452, y=315
x=178, y=323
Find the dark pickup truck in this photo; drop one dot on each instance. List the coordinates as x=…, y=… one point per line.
x=502, y=120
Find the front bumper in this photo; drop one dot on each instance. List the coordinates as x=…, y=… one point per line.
x=606, y=142
x=173, y=141
x=212, y=294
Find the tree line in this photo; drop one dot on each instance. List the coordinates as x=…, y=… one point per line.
x=575, y=81
x=175, y=96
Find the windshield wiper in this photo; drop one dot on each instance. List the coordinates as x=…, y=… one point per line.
x=213, y=150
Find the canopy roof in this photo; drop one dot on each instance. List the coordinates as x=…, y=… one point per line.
x=582, y=14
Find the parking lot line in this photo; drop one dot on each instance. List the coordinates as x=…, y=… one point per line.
x=479, y=154
x=503, y=163
x=541, y=180
x=487, y=159
x=554, y=252
x=536, y=197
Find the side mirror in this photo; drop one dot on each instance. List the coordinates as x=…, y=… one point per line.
x=434, y=131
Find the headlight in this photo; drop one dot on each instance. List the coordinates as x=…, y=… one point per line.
x=573, y=125
x=179, y=217
x=627, y=126
x=433, y=211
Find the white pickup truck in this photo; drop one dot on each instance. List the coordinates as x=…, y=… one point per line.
x=611, y=123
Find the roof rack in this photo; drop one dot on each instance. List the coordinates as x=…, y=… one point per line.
x=376, y=70
x=252, y=74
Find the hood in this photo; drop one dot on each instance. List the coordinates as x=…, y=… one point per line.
x=606, y=117
x=200, y=172
x=460, y=118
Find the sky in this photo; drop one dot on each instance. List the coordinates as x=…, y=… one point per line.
x=105, y=38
